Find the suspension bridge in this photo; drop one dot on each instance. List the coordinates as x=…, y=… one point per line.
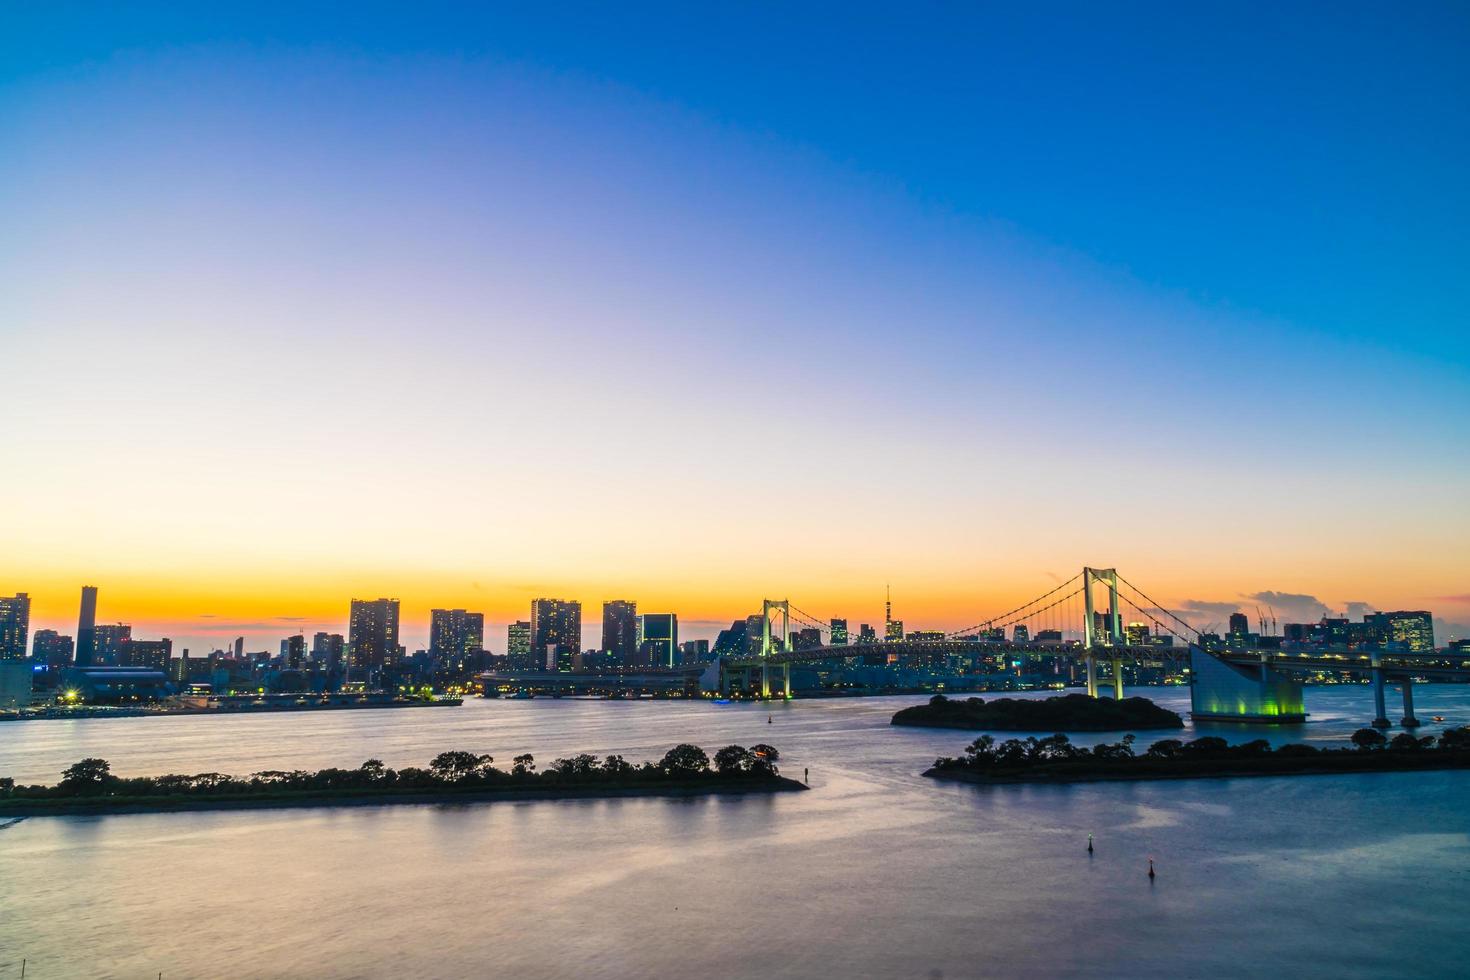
x=1225, y=684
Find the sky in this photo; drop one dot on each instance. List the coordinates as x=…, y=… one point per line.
x=308, y=302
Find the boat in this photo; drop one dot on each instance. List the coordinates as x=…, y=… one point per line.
x=1437, y=718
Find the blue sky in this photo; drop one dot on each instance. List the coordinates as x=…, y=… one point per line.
x=987, y=292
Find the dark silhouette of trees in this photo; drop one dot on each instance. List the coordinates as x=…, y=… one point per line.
x=1368, y=738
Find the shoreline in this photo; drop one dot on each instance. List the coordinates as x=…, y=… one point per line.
x=1316, y=767
x=106, y=806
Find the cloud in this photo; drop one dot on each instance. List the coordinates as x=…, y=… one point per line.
x=1462, y=597
x=1445, y=631
x=1203, y=607
x=1292, y=607
x=291, y=619
x=1357, y=610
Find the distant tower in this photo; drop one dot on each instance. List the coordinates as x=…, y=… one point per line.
x=887, y=604
x=87, y=627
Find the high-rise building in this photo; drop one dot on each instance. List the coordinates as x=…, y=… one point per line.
x=1415, y=630
x=620, y=631
x=893, y=630
x=1137, y=633
x=372, y=634
x=518, y=645
x=694, y=651
x=1021, y=633
x=240, y=645
x=806, y=638
x=1240, y=625
x=556, y=633
x=87, y=628
x=294, y=656
x=111, y=641
x=839, y=632
x=455, y=637
x=731, y=642
x=866, y=634
x=150, y=654
x=15, y=626
x=326, y=650
x=658, y=640
x=52, y=648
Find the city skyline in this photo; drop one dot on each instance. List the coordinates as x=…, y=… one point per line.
x=413, y=627
x=494, y=304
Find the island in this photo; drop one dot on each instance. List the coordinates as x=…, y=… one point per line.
x=1072, y=712
x=1056, y=760
x=90, y=786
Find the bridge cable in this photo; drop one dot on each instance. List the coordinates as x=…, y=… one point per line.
x=991, y=621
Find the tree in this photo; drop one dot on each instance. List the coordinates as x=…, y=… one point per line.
x=1209, y=745
x=1367, y=739
x=1404, y=742
x=616, y=765
x=87, y=776
x=7, y=785
x=579, y=765
x=937, y=700
x=982, y=750
x=373, y=770
x=734, y=759
x=523, y=765
x=685, y=759
x=1168, y=748
x=764, y=758
x=454, y=766
x=1455, y=739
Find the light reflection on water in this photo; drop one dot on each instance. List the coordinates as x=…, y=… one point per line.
x=876, y=873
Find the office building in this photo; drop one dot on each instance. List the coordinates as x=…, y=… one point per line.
x=372, y=634
x=866, y=634
x=694, y=651
x=1048, y=636
x=326, y=650
x=16, y=678
x=1137, y=634
x=456, y=637
x=15, y=626
x=111, y=644
x=1415, y=630
x=518, y=645
x=731, y=642
x=556, y=633
x=658, y=640
x=294, y=655
x=1239, y=624
x=1021, y=633
x=146, y=654
x=806, y=638
x=52, y=648
x=838, y=632
x=87, y=628
x=620, y=631
x=893, y=630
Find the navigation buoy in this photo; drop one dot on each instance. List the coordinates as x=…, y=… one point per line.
x=1150, y=869
x=1089, y=843
x=768, y=719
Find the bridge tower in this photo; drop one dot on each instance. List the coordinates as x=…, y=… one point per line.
x=1111, y=636
x=769, y=609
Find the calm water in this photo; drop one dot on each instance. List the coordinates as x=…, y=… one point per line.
x=876, y=873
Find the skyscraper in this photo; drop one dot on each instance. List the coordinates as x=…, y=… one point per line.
x=866, y=634
x=111, y=645
x=1415, y=630
x=839, y=632
x=518, y=645
x=372, y=634
x=15, y=626
x=295, y=654
x=87, y=628
x=658, y=644
x=620, y=631
x=1240, y=624
x=150, y=654
x=52, y=648
x=455, y=637
x=556, y=633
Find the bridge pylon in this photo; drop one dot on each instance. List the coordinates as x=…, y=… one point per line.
x=769, y=609
x=1112, y=633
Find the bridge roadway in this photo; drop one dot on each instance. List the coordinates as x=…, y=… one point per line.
x=958, y=647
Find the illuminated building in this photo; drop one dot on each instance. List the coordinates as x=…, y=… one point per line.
x=806, y=638
x=326, y=650
x=620, y=631
x=111, y=644
x=839, y=632
x=893, y=630
x=52, y=648
x=518, y=645
x=372, y=634
x=1239, y=624
x=556, y=633
x=15, y=625
x=295, y=655
x=866, y=634
x=87, y=627
x=1415, y=630
x=147, y=654
x=1021, y=633
x=658, y=639
x=1137, y=633
x=1049, y=636
x=694, y=651
x=924, y=636
x=455, y=637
